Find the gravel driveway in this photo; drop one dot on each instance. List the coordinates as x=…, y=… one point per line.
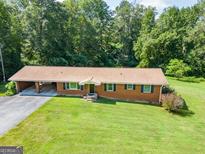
x=16, y=108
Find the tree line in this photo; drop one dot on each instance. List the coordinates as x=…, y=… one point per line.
x=88, y=33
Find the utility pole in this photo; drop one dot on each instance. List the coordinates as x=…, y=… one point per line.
x=2, y=63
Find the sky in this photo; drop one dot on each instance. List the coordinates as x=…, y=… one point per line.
x=159, y=4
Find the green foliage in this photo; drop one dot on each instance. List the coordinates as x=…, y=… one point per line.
x=88, y=33
x=168, y=40
x=177, y=68
x=10, y=88
x=2, y=89
x=125, y=30
x=167, y=90
x=195, y=42
x=10, y=38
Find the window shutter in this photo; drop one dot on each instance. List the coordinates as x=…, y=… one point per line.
x=142, y=86
x=114, y=87
x=134, y=87
x=65, y=86
x=105, y=87
x=152, y=89
x=79, y=87
x=125, y=86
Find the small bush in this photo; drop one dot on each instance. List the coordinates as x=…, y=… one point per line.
x=173, y=103
x=10, y=88
x=167, y=90
x=177, y=68
x=191, y=79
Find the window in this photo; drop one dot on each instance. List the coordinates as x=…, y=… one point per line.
x=147, y=89
x=130, y=87
x=109, y=87
x=72, y=86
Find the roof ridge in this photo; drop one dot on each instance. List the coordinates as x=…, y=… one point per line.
x=90, y=67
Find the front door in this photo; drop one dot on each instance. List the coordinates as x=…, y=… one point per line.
x=92, y=88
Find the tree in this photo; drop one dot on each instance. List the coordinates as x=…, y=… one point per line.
x=44, y=39
x=196, y=56
x=156, y=46
x=177, y=68
x=10, y=38
x=126, y=27
x=90, y=32
x=195, y=45
x=147, y=24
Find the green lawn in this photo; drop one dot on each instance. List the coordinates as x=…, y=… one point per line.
x=71, y=125
x=2, y=89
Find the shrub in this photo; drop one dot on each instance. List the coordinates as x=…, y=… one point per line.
x=10, y=88
x=191, y=79
x=173, y=103
x=177, y=68
x=167, y=90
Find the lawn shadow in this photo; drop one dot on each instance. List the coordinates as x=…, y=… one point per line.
x=66, y=96
x=184, y=113
x=106, y=101
x=142, y=103
x=114, y=102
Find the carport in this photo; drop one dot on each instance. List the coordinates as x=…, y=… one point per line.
x=36, y=81
x=36, y=88
x=22, y=85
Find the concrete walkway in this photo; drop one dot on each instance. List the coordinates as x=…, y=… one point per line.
x=16, y=108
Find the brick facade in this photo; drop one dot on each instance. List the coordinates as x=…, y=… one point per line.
x=62, y=91
x=121, y=93
x=20, y=85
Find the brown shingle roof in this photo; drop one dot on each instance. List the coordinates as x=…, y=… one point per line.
x=153, y=76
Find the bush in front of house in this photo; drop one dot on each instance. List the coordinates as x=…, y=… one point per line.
x=173, y=103
x=10, y=88
x=167, y=90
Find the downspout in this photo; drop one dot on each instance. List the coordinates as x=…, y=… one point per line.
x=160, y=95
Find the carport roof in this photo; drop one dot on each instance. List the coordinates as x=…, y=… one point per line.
x=147, y=76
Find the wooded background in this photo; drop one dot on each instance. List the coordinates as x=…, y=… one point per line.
x=88, y=33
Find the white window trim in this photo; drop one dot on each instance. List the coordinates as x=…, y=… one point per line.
x=70, y=86
x=130, y=88
x=150, y=89
x=107, y=89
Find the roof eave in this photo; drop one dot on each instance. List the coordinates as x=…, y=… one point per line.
x=137, y=83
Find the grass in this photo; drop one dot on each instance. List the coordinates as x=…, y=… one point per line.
x=191, y=79
x=2, y=89
x=70, y=125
